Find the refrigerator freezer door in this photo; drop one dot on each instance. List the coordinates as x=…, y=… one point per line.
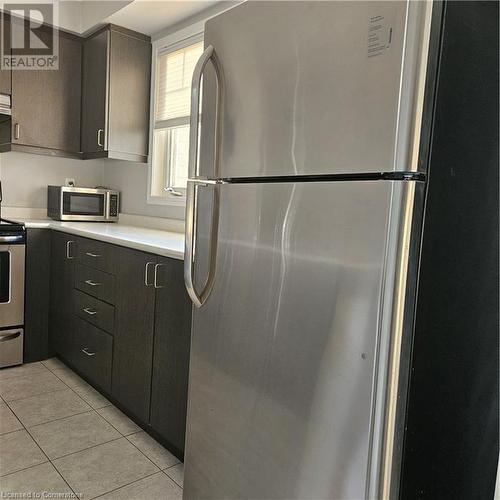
x=312, y=87
x=284, y=351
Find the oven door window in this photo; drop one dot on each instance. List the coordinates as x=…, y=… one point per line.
x=4, y=276
x=83, y=204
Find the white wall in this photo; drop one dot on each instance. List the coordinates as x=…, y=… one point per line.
x=131, y=179
x=25, y=177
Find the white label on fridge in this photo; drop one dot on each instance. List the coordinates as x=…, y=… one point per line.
x=379, y=36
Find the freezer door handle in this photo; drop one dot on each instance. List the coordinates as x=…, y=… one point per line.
x=190, y=241
x=208, y=55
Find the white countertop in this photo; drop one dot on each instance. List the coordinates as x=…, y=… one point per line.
x=159, y=242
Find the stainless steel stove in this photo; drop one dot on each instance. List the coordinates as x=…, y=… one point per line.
x=12, y=261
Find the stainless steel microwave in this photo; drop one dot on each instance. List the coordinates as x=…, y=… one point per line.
x=68, y=203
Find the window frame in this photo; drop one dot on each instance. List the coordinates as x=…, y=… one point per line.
x=170, y=43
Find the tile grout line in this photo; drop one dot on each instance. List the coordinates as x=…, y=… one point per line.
x=61, y=418
x=132, y=433
x=92, y=410
x=33, y=395
x=86, y=449
x=73, y=388
x=181, y=486
x=128, y=484
x=159, y=469
x=24, y=374
x=46, y=456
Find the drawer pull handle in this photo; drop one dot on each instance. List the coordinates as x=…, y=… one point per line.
x=85, y=350
x=90, y=254
x=89, y=311
x=92, y=283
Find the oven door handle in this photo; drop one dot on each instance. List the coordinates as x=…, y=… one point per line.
x=11, y=238
x=9, y=336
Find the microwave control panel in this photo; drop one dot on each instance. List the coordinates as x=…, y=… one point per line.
x=113, y=205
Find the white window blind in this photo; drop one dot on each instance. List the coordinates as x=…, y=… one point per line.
x=174, y=71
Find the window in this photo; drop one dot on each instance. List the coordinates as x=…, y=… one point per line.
x=171, y=111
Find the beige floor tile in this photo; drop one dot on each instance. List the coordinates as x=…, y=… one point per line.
x=72, y=434
x=176, y=473
x=49, y=406
x=8, y=421
x=155, y=487
x=21, y=370
x=119, y=420
x=91, y=396
x=30, y=385
x=18, y=451
x=104, y=468
x=68, y=376
x=153, y=450
x=53, y=364
x=37, y=480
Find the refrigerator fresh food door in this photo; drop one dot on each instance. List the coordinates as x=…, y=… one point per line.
x=284, y=349
x=314, y=88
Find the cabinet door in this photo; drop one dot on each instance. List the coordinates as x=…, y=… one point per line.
x=134, y=321
x=95, y=62
x=130, y=77
x=36, y=307
x=64, y=249
x=171, y=354
x=6, y=74
x=46, y=104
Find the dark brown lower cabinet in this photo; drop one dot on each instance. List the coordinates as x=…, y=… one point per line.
x=172, y=342
x=61, y=316
x=129, y=333
x=36, y=307
x=134, y=329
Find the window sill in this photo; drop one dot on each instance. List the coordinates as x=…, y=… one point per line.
x=174, y=201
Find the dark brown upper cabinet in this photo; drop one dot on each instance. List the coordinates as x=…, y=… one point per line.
x=5, y=74
x=115, y=94
x=46, y=104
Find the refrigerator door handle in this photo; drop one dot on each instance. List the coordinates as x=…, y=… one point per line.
x=208, y=55
x=190, y=241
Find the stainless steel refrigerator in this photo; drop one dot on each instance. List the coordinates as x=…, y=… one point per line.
x=304, y=204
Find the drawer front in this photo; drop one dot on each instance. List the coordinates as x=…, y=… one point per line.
x=94, y=351
x=95, y=311
x=96, y=283
x=97, y=254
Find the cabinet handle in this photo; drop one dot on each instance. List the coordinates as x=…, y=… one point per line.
x=89, y=311
x=85, y=350
x=17, y=131
x=92, y=283
x=68, y=249
x=157, y=266
x=90, y=254
x=99, y=140
x=146, y=274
